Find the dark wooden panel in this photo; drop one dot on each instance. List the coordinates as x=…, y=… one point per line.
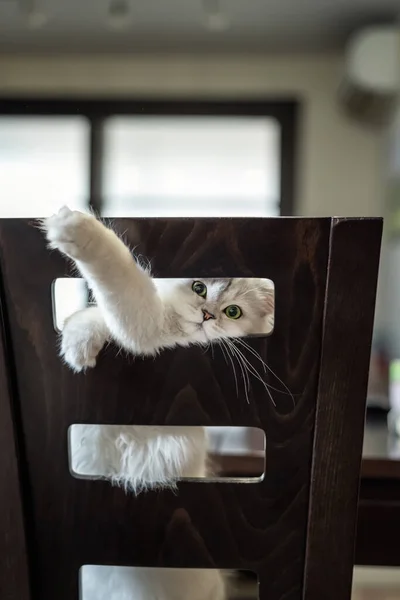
x=378, y=522
x=349, y=312
x=14, y=582
x=260, y=527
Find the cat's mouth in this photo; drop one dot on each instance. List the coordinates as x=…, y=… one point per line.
x=199, y=325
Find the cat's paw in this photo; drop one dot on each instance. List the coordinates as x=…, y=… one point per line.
x=80, y=344
x=72, y=232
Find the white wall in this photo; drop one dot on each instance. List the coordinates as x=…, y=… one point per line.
x=339, y=161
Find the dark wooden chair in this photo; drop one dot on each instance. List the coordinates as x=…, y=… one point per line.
x=295, y=528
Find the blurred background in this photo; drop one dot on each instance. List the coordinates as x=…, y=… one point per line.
x=215, y=108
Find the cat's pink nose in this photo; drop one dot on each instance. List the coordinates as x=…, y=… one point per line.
x=207, y=315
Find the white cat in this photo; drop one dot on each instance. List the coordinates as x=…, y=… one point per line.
x=144, y=316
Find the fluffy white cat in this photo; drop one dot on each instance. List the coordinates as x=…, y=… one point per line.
x=143, y=316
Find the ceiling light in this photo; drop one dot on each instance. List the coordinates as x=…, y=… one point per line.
x=215, y=19
x=35, y=16
x=119, y=14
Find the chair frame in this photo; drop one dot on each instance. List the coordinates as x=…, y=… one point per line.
x=296, y=527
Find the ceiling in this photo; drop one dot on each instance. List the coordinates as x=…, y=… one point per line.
x=180, y=25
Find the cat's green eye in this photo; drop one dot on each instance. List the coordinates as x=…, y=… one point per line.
x=233, y=311
x=200, y=288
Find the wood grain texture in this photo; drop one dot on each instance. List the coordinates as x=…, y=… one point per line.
x=378, y=519
x=340, y=415
x=260, y=526
x=14, y=579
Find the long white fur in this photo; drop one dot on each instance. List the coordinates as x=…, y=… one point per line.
x=138, y=458
x=143, y=317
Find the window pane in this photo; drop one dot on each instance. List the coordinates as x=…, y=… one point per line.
x=191, y=166
x=44, y=163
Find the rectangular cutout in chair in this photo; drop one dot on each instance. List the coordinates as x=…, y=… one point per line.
x=119, y=452
x=98, y=582
x=235, y=300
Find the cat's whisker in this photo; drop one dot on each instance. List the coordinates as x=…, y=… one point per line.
x=256, y=374
x=243, y=369
x=205, y=347
x=233, y=355
x=253, y=371
x=266, y=384
x=256, y=354
x=223, y=351
x=233, y=365
x=233, y=349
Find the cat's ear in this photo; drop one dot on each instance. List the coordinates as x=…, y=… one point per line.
x=267, y=293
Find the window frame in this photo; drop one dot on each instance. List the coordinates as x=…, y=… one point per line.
x=284, y=111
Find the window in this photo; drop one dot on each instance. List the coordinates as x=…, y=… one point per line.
x=191, y=166
x=147, y=158
x=44, y=163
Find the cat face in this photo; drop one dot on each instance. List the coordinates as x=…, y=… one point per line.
x=209, y=309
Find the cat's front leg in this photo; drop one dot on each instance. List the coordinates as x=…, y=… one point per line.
x=78, y=235
x=126, y=295
x=83, y=336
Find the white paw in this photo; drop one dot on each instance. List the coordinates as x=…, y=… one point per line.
x=80, y=344
x=71, y=232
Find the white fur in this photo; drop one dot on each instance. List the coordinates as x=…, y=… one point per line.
x=138, y=457
x=143, y=317
x=133, y=310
